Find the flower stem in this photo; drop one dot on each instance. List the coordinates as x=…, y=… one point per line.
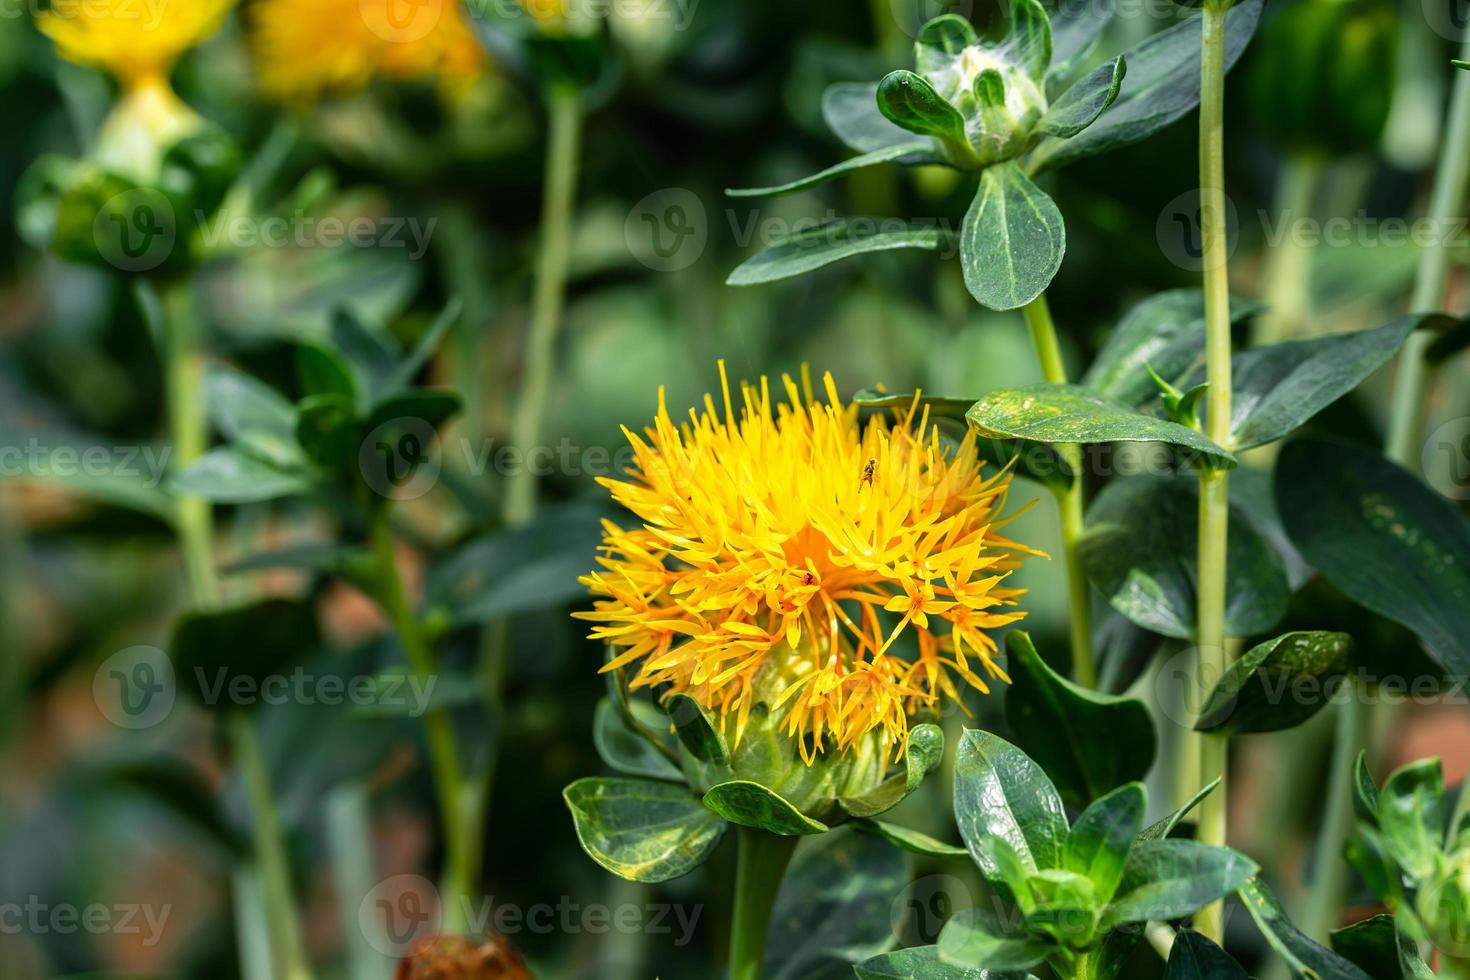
x=565, y=112
x=1214, y=491
x=1329, y=887
x=455, y=796
x=1287, y=279
x=1069, y=500
x=760, y=864
x=183, y=354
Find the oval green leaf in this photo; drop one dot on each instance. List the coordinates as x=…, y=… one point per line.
x=1001, y=795
x=1012, y=240
x=1262, y=691
x=753, y=805
x=642, y=830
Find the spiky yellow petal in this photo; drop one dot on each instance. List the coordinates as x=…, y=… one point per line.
x=793, y=540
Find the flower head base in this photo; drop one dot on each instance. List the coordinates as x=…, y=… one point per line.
x=788, y=555
x=137, y=43
x=307, y=48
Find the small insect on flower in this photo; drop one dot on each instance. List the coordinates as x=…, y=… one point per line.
x=762, y=573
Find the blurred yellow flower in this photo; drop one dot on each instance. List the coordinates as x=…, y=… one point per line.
x=137, y=42
x=306, y=48
x=780, y=558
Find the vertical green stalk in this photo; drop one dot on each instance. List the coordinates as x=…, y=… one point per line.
x=1069, y=500
x=564, y=108
x=1214, y=491
x=183, y=354
x=760, y=864
x=456, y=797
x=1287, y=278
x=1319, y=913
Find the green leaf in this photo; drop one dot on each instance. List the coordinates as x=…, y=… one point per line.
x=924, y=752
x=626, y=750
x=913, y=148
x=908, y=839
x=368, y=356
x=976, y=938
x=253, y=415
x=1165, y=332
x=329, y=433
x=699, y=735
x=940, y=40
x=1056, y=723
x=1412, y=812
x=1275, y=389
x=1080, y=106
x=133, y=484
x=229, y=476
x=1372, y=945
x=1368, y=853
x=1103, y=835
x=909, y=101
x=833, y=908
x=1075, y=30
x=324, y=372
x=1163, y=85
x=1067, y=413
x=1162, y=829
x=1030, y=38
x=753, y=805
x=814, y=248
x=408, y=368
x=642, y=830
x=851, y=111
x=1172, y=878
x=1365, y=791
x=1034, y=460
x=1012, y=239
x=923, y=963
x=1305, y=957
x=1261, y=691
x=1139, y=552
x=1193, y=957
x=509, y=573
x=1383, y=538
x=411, y=410
x=222, y=657
x=1003, y=798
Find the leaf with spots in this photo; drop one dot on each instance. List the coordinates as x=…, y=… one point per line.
x=1264, y=690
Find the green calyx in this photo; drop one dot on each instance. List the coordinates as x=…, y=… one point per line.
x=980, y=99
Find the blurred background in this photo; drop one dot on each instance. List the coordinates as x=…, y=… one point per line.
x=1333, y=114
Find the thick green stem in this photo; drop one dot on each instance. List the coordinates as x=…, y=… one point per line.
x=183, y=353
x=565, y=113
x=761, y=863
x=456, y=797
x=270, y=856
x=1082, y=967
x=1214, y=491
x=1329, y=887
x=1287, y=277
x=1069, y=499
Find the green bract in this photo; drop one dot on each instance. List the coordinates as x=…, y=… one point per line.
x=692, y=782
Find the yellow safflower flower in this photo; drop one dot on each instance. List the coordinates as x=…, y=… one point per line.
x=781, y=555
x=138, y=43
x=306, y=48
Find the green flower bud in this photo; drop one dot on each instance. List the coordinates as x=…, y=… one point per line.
x=1322, y=81
x=1443, y=904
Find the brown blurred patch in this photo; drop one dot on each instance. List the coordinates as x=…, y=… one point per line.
x=462, y=958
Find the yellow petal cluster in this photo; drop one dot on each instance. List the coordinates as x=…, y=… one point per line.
x=137, y=41
x=306, y=48
x=784, y=554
